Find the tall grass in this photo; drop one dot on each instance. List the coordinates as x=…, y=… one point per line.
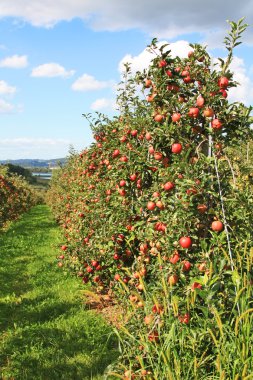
x=216, y=344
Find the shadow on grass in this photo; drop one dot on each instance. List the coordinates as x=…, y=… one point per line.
x=44, y=331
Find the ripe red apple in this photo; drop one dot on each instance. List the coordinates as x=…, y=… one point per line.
x=64, y=247
x=158, y=156
x=162, y=63
x=148, y=83
x=151, y=205
x=184, y=318
x=134, y=132
x=223, y=93
x=216, y=124
x=122, y=192
x=187, y=79
x=116, y=153
x=157, y=309
x=173, y=87
x=185, y=242
x=175, y=258
x=175, y=117
x=133, y=177
x=123, y=159
x=193, y=112
x=116, y=256
x=217, y=225
x=148, y=136
x=160, y=205
x=150, y=97
x=151, y=150
x=200, y=101
x=176, y=148
x=196, y=285
x=168, y=186
x=123, y=139
x=186, y=266
x=158, y=118
x=185, y=73
x=223, y=82
x=173, y=279
x=208, y=112
x=122, y=183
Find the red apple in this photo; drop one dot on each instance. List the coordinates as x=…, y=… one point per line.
x=186, y=266
x=223, y=82
x=162, y=63
x=175, y=258
x=208, y=112
x=185, y=242
x=122, y=183
x=148, y=83
x=216, y=124
x=159, y=118
x=168, y=186
x=217, y=225
x=151, y=206
x=133, y=177
x=173, y=279
x=193, y=112
x=148, y=136
x=175, y=117
x=200, y=101
x=176, y=148
x=158, y=156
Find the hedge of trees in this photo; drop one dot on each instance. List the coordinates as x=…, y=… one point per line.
x=16, y=195
x=157, y=213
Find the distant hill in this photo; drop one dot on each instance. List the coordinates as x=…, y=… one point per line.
x=35, y=163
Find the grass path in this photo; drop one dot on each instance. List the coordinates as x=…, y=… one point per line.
x=45, y=332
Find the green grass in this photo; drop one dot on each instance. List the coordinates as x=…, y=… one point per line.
x=45, y=332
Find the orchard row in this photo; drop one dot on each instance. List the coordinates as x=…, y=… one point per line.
x=16, y=196
x=149, y=209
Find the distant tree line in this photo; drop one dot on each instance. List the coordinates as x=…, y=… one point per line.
x=19, y=170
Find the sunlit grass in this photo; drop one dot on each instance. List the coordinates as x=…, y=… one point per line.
x=45, y=332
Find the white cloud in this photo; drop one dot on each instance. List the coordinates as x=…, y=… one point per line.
x=142, y=61
x=28, y=147
x=6, y=89
x=103, y=103
x=5, y=107
x=244, y=91
x=161, y=18
x=50, y=70
x=14, y=62
x=89, y=83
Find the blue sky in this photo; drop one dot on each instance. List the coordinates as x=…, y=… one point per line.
x=62, y=60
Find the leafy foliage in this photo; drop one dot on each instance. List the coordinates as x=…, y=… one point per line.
x=153, y=215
